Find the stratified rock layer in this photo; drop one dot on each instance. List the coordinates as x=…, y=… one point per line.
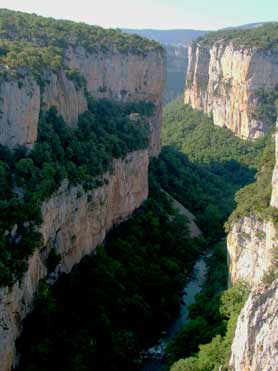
x=222, y=81
x=74, y=223
x=255, y=345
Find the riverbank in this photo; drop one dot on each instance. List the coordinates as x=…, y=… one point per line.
x=154, y=357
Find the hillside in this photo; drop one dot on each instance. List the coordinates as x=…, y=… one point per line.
x=77, y=129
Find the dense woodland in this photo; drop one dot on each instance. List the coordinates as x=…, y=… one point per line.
x=34, y=42
x=81, y=156
x=206, y=338
x=263, y=37
x=117, y=302
x=203, y=166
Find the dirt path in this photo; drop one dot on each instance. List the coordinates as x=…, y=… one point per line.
x=193, y=227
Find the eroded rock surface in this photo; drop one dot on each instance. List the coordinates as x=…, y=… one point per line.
x=74, y=223
x=110, y=74
x=255, y=345
x=223, y=80
x=250, y=246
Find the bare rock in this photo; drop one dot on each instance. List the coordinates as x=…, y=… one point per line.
x=74, y=223
x=255, y=345
x=222, y=81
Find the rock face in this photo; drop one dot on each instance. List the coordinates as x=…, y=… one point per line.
x=274, y=194
x=74, y=223
x=19, y=111
x=125, y=77
x=62, y=93
x=250, y=246
x=255, y=346
x=222, y=81
x=252, y=252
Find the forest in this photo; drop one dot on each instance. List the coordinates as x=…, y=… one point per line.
x=81, y=155
x=28, y=40
x=263, y=37
x=203, y=166
x=115, y=303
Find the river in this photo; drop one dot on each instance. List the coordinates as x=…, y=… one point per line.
x=154, y=356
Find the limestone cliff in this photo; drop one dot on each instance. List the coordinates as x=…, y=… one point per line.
x=252, y=255
x=74, y=223
x=223, y=81
x=19, y=111
x=111, y=74
x=256, y=338
x=250, y=245
x=274, y=194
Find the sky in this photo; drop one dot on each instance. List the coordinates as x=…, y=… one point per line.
x=160, y=14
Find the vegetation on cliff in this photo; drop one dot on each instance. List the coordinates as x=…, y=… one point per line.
x=263, y=37
x=254, y=199
x=266, y=105
x=204, y=325
x=28, y=40
x=203, y=166
x=116, y=302
x=81, y=155
x=216, y=354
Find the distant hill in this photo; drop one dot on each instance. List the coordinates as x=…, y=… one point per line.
x=246, y=26
x=168, y=37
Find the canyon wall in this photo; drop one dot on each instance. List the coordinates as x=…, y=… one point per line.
x=49, y=63
x=110, y=74
x=250, y=244
x=253, y=257
x=274, y=194
x=256, y=338
x=223, y=80
x=74, y=223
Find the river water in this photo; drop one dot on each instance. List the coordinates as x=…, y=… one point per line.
x=191, y=289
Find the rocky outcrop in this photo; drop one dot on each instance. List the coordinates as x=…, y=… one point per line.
x=250, y=245
x=65, y=95
x=74, y=223
x=125, y=77
x=19, y=111
x=252, y=249
x=255, y=345
x=253, y=256
x=274, y=193
x=223, y=80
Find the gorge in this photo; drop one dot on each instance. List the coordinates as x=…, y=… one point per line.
x=94, y=252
